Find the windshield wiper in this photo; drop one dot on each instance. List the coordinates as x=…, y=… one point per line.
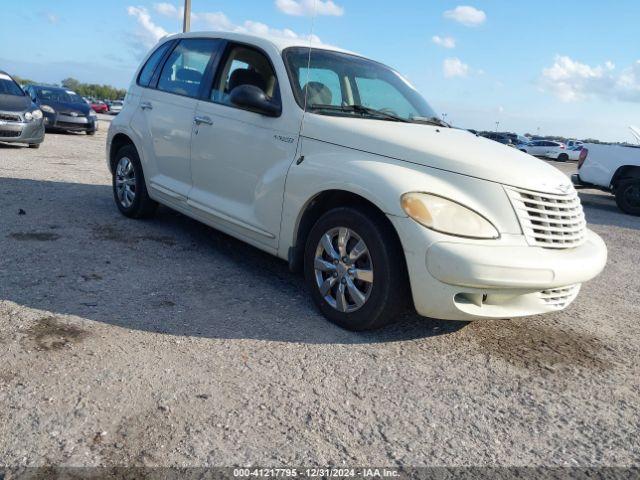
x=372, y=112
x=431, y=121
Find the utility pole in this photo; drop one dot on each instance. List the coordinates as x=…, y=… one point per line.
x=186, y=23
x=444, y=117
x=497, y=125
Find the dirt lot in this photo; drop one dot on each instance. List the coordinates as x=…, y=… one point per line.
x=164, y=342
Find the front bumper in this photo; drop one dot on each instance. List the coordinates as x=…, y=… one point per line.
x=60, y=121
x=22, y=132
x=458, y=279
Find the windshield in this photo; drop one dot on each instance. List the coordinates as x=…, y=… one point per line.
x=339, y=84
x=59, y=95
x=9, y=87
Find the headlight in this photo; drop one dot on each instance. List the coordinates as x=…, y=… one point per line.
x=447, y=216
x=36, y=114
x=28, y=116
x=47, y=108
x=92, y=113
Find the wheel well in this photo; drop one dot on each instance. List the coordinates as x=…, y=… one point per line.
x=118, y=141
x=627, y=171
x=322, y=203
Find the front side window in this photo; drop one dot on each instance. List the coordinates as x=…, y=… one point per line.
x=336, y=83
x=9, y=87
x=146, y=74
x=183, y=71
x=245, y=66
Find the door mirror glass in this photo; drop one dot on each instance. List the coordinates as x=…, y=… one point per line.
x=250, y=97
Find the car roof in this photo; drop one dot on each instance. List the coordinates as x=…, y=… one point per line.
x=280, y=43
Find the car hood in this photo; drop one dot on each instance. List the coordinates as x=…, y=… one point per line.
x=12, y=103
x=450, y=149
x=67, y=107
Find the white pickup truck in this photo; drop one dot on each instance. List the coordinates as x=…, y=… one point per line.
x=613, y=168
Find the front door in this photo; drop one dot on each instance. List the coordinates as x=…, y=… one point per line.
x=239, y=158
x=167, y=110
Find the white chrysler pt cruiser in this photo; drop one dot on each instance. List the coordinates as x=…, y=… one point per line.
x=336, y=163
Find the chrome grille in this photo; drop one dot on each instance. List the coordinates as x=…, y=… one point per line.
x=10, y=117
x=549, y=220
x=560, y=297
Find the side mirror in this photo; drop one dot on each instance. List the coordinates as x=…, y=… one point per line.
x=253, y=98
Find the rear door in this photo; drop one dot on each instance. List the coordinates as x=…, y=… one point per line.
x=240, y=158
x=165, y=117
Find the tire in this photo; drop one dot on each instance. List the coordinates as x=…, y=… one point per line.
x=91, y=132
x=628, y=196
x=135, y=203
x=385, y=295
x=563, y=157
x=34, y=145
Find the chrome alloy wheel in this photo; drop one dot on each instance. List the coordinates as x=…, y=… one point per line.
x=343, y=269
x=125, y=182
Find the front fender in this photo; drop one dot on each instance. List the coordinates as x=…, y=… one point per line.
x=382, y=181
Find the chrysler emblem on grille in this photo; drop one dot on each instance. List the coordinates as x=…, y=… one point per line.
x=564, y=188
x=74, y=114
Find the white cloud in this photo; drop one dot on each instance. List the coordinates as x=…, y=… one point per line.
x=453, y=67
x=469, y=16
x=446, y=42
x=570, y=81
x=52, y=18
x=309, y=7
x=149, y=33
x=168, y=10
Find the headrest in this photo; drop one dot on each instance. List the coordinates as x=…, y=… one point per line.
x=188, y=75
x=317, y=93
x=244, y=76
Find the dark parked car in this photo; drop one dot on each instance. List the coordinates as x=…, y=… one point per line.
x=20, y=119
x=498, y=137
x=63, y=109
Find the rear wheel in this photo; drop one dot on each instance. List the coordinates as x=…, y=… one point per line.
x=563, y=157
x=355, y=270
x=628, y=196
x=129, y=189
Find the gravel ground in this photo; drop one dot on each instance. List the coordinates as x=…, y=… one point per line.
x=164, y=342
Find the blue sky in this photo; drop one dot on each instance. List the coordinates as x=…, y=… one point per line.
x=564, y=67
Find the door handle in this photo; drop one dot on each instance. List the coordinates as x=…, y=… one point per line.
x=200, y=120
x=146, y=106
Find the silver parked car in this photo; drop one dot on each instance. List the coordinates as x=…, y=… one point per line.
x=21, y=121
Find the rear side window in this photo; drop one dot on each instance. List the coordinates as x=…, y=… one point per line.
x=183, y=71
x=146, y=74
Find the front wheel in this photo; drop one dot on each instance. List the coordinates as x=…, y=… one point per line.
x=355, y=270
x=628, y=196
x=129, y=189
x=34, y=145
x=563, y=157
